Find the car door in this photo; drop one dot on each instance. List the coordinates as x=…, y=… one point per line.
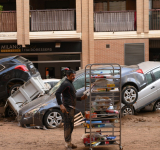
x=148, y=94
x=156, y=75
x=79, y=85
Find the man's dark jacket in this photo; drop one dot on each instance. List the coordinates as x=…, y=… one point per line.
x=68, y=94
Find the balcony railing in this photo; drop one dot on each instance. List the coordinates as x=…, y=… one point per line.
x=111, y=21
x=154, y=19
x=8, y=21
x=53, y=20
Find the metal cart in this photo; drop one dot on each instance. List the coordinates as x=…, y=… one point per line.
x=104, y=104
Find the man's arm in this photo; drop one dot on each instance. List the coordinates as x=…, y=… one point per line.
x=82, y=98
x=58, y=94
x=58, y=97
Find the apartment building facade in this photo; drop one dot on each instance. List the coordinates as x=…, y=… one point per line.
x=55, y=34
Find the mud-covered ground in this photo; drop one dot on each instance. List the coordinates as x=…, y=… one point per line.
x=140, y=132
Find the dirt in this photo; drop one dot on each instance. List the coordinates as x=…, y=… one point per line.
x=139, y=132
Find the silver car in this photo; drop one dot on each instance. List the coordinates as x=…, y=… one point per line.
x=150, y=95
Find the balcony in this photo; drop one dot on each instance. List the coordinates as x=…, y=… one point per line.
x=154, y=19
x=53, y=20
x=8, y=21
x=114, y=21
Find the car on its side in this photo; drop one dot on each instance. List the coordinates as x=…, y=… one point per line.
x=150, y=94
x=14, y=72
x=138, y=82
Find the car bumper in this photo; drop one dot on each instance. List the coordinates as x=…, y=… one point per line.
x=35, y=120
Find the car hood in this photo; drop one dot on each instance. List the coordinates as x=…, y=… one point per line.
x=39, y=102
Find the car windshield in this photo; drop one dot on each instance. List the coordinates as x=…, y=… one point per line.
x=80, y=79
x=53, y=90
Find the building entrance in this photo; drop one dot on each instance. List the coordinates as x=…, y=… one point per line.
x=154, y=50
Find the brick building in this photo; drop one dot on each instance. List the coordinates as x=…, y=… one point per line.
x=72, y=33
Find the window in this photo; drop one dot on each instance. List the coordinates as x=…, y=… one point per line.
x=80, y=82
x=106, y=72
x=101, y=5
x=149, y=78
x=50, y=72
x=107, y=45
x=156, y=73
x=156, y=4
x=54, y=89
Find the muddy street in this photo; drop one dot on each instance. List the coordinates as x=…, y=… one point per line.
x=138, y=132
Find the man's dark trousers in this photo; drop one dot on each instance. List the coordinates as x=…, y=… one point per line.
x=68, y=124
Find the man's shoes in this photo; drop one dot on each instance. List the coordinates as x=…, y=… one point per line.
x=73, y=146
x=70, y=146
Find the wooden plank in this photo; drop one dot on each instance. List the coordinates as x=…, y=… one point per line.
x=79, y=120
x=79, y=123
x=78, y=114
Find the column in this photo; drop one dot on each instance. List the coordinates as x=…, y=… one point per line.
x=22, y=9
x=139, y=5
x=78, y=16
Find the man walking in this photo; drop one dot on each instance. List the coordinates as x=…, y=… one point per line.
x=67, y=106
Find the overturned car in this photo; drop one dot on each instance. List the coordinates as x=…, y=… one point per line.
x=14, y=72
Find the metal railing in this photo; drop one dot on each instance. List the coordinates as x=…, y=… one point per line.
x=154, y=19
x=111, y=21
x=53, y=20
x=8, y=21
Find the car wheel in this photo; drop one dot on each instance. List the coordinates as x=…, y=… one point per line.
x=14, y=88
x=129, y=95
x=156, y=106
x=53, y=118
x=9, y=112
x=127, y=110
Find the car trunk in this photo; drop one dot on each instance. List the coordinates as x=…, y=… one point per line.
x=127, y=69
x=28, y=63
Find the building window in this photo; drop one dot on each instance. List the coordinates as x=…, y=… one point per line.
x=107, y=46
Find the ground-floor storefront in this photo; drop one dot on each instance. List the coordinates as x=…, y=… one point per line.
x=154, y=49
x=49, y=58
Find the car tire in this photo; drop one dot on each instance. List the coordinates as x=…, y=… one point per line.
x=127, y=110
x=156, y=106
x=14, y=88
x=53, y=119
x=129, y=95
x=9, y=112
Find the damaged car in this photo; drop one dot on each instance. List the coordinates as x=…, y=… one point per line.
x=45, y=111
x=14, y=72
